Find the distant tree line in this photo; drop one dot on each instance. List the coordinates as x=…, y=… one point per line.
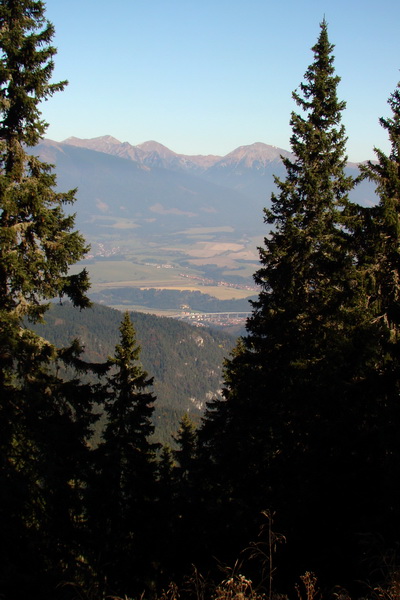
x=172, y=299
x=304, y=441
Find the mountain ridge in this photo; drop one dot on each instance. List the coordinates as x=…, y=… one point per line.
x=156, y=191
x=260, y=152
x=152, y=153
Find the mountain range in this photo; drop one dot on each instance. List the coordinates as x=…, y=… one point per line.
x=153, y=190
x=153, y=154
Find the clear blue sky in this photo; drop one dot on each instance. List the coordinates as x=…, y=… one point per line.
x=207, y=76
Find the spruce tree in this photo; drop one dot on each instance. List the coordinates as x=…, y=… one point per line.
x=44, y=421
x=378, y=234
x=384, y=235
x=38, y=243
x=305, y=277
x=126, y=472
x=278, y=440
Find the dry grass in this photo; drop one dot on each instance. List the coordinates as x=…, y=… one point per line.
x=390, y=591
x=236, y=586
x=309, y=590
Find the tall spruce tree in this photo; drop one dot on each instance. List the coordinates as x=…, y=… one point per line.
x=37, y=241
x=378, y=237
x=281, y=437
x=126, y=473
x=44, y=421
x=383, y=236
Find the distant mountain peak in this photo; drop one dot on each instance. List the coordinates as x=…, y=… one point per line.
x=258, y=150
x=75, y=141
x=152, y=146
x=257, y=155
x=101, y=144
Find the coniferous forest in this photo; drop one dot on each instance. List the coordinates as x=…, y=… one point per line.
x=290, y=486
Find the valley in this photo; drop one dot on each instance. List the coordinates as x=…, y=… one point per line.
x=197, y=262
x=157, y=221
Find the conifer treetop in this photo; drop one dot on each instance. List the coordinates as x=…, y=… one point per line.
x=319, y=91
x=37, y=241
x=130, y=405
x=305, y=257
x=26, y=67
x=383, y=239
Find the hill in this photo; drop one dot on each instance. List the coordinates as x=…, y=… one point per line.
x=186, y=362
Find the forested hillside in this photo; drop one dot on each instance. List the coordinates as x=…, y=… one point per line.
x=193, y=355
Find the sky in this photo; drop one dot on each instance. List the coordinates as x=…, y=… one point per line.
x=208, y=76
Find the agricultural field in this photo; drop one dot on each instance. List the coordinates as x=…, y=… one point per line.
x=208, y=260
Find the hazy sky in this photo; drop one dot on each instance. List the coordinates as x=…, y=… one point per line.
x=207, y=76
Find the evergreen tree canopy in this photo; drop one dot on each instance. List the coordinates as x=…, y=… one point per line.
x=126, y=471
x=130, y=406
x=383, y=236
x=37, y=244
x=307, y=277
x=378, y=237
x=286, y=437
x=306, y=265
x=44, y=420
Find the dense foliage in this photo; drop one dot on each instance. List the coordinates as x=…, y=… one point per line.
x=305, y=438
x=193, y=355
x=124, y=467
x=311, y=392
x=44, y=421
